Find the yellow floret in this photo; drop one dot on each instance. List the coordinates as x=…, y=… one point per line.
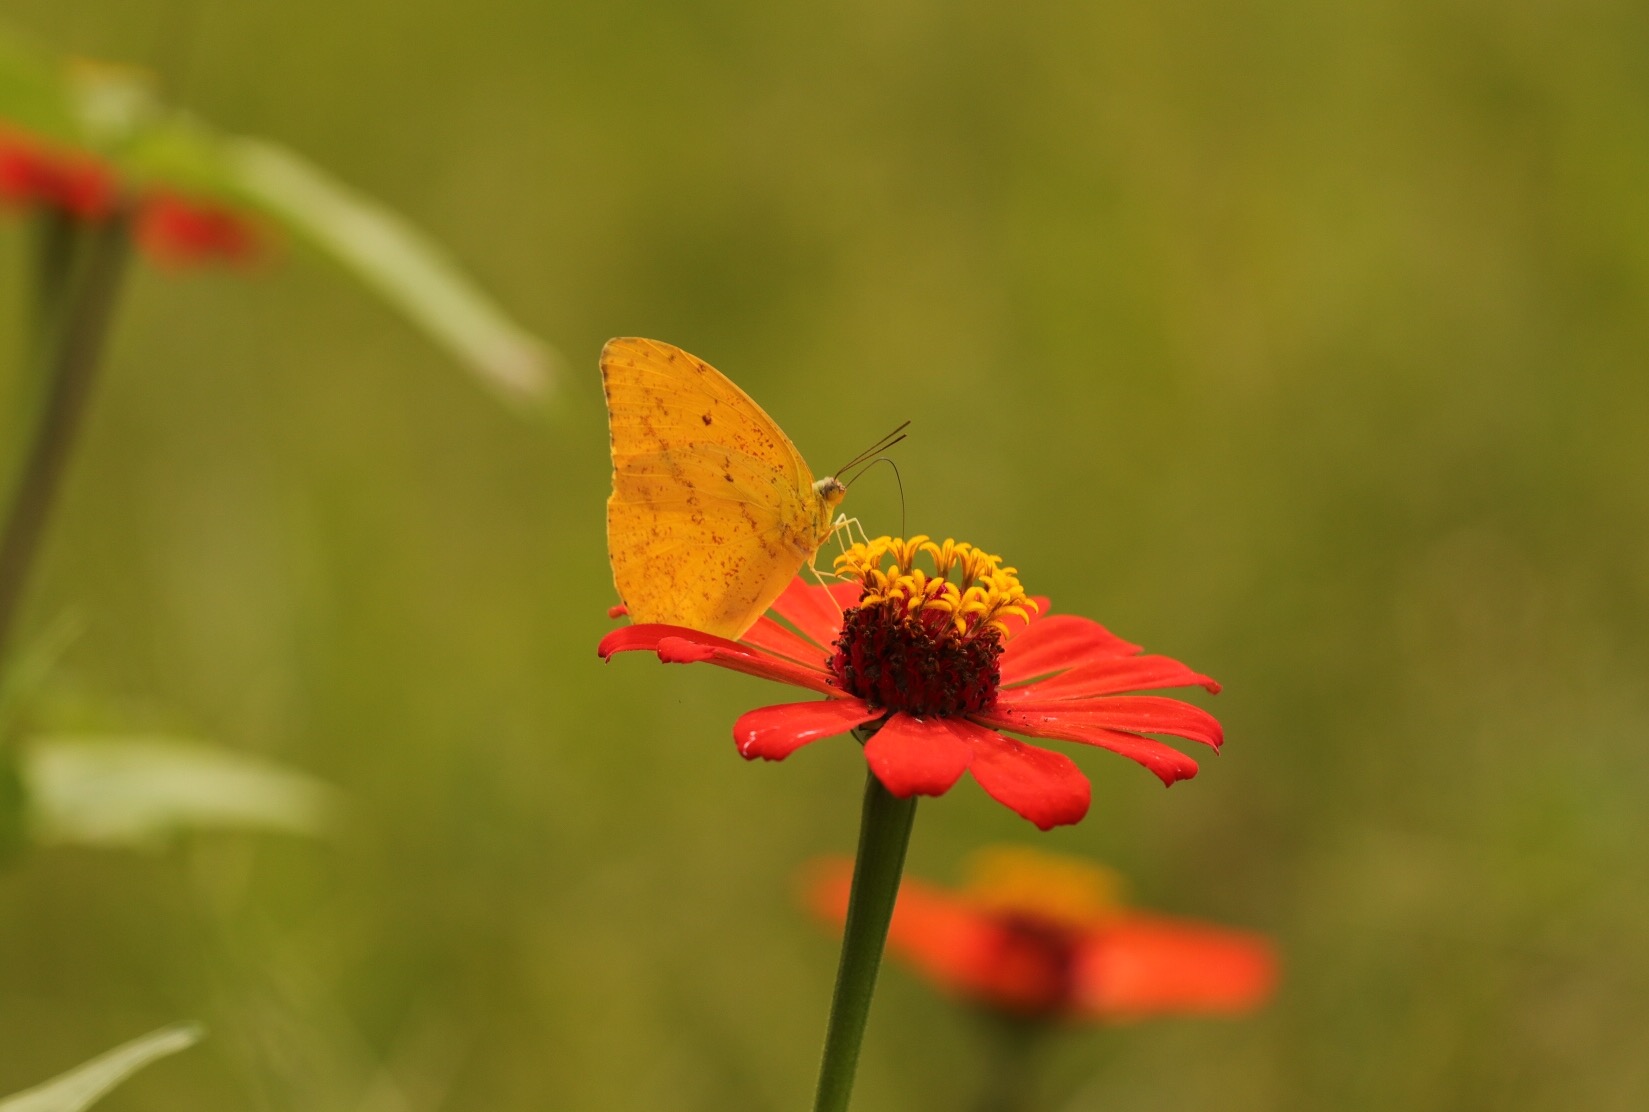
x=985, y=594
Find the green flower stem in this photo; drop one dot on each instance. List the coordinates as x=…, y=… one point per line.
x=1010, y=1067
x=53, y=237
x=884, y=833
x=74, y=330
x=54, y=243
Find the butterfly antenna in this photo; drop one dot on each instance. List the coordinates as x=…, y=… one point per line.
x=897, y=478
x=865, y=464
x=875, y=449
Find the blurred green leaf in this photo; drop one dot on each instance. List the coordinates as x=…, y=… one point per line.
x=29, y=670
x=82, y=1086
x=14, y=833
x=32, y=93
x=113, y=104
x=137, y=791
x=404, y=266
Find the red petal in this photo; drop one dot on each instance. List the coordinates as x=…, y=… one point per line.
x=34, y=174
x=693, y=650
x=1038, y=784
x=1139, y=714
x=679, y=645
x=773, y=733
x=633, y=638
x=1128, y=968
x=913, y=756
x=1057, y=642
x=178, y=230
x=1152, y=966
x=770, y=635
x=1168, y=763
x=816, y=610
x=1111, y=677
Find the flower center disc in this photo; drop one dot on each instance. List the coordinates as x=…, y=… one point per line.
x=919, y=643
x=896, y=660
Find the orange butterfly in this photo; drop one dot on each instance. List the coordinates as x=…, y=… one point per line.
x=713, y=510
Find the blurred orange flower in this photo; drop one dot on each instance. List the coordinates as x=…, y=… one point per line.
x=1044, y=936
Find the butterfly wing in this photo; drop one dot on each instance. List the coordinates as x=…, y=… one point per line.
x=713, y=510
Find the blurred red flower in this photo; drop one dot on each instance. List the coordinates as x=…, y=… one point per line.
x=934, y=669
x=1041, y=936
x=36, y=174
x=178, y=231
x=170, y=228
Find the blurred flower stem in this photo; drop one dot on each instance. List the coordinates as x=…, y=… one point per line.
x=54, y=242
x=884, y=834
x=73, y=308
x=1010, y=1066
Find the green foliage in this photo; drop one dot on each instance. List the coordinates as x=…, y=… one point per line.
x=115, y=111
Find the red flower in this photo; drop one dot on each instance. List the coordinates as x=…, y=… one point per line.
x=171, y=229
x=1022, y=942
x=177, y=231
x=932, y=672
x=35, y=174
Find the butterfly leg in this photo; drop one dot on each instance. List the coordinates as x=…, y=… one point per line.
x=842, y=527
x=845, y=525
x=823, y=582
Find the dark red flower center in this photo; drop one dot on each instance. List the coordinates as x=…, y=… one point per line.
x=1031, y=966
x=917, y=662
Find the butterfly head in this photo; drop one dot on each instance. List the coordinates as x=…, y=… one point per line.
x=830, y=492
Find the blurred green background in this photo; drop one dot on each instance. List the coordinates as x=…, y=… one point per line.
x=1306, y=343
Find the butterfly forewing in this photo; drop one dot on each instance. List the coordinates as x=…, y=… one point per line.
x=713, y=510
x=659, y=397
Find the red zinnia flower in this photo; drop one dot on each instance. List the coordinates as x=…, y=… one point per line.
x=1042, y=936
x=178, y=231
x=930, y=671
x=35, y=174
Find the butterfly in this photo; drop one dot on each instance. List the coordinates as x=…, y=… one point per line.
x=713, y=510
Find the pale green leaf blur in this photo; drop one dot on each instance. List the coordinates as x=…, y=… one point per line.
x=410, y=272
x=126, y=791
x=84, y=1085
x=1303, y=342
